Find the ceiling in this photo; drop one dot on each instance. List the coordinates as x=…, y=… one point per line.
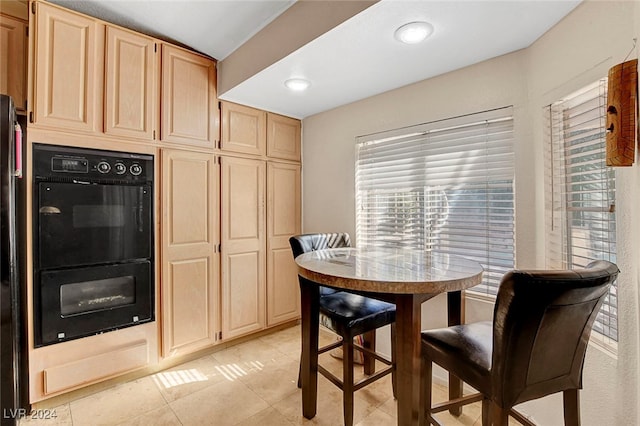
x=354, y=60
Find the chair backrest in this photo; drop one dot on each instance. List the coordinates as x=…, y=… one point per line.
x=541, y=327
x=311, y=242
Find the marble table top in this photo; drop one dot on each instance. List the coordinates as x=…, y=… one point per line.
x=383, y=270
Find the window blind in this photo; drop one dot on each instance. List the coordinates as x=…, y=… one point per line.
x=580, y=202
x=446, y=186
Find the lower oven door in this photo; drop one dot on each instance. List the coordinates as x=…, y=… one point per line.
x=79, y=302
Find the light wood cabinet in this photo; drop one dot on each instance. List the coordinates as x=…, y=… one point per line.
x=243, y=246
x=283, y=137
x=69, y=55
x=190, y=262
x=248, y=298
x=189, y=99
x=243, y=129
x=13, y=63
x=283, y=221
x=130, y=86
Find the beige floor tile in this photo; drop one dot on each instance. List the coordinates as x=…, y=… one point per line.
x=163, y=416
x=378, y=418
x=253, y=383
x=390, y=407
x=329, y=406
x=227, y=404
x=190, y=377
x=116, y=405
x=274, y=380
x=268, y=417
x=57, y=416
x=247, y=354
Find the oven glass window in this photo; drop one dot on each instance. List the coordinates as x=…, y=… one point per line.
x=98, y=216
x=89, y=224
x=90, y=296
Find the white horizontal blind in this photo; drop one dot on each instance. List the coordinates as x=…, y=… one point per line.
x=445, y=185
x=581, y=223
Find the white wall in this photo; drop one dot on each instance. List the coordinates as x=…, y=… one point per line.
x=577, y=51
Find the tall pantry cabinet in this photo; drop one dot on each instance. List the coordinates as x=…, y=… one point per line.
x=189, y=131
x=189, y=251
x=260, y=193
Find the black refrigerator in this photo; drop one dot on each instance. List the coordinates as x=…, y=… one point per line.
x=13, y=342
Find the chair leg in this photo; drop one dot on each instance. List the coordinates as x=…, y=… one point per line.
x=498, y=416
x=394, y=376
x=486, y=406
x=347, y=380
x=571, y=400
x=426, y=371
x=369, y=342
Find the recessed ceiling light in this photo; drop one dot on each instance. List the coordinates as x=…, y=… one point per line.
x=413, y=32
x=297, y=84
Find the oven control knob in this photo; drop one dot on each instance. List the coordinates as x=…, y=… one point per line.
x=120, y=168
x=136, y=169
x=104, y=167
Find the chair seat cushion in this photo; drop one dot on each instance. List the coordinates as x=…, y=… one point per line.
x=350, y=314
x=465, y=350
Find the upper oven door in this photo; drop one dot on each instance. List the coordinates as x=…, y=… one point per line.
x=82, y=224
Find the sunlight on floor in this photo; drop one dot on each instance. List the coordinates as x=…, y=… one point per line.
x=169, y=379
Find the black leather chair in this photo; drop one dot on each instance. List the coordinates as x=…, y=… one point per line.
x=535, y=345
x=348, y=315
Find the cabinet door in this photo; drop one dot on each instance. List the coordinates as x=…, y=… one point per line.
x=243, y=129
x=243, y=246
x=68, y=65
x=13, y=70
x=130, y=95
x=189, y=103
x=283, y=221
x=283, y=137
x=190, y=266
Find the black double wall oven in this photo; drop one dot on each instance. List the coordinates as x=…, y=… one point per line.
x=93, y=241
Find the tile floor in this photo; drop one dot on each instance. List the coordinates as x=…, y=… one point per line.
x=252, y=383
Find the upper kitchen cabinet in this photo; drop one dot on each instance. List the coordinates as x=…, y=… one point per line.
x=243, y=129
x=130, y=86
x=13, y=71
x=189, y=98
x=68, y=69
x=283, y=137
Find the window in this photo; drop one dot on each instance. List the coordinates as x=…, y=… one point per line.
x=580, y=202
x=445, y=185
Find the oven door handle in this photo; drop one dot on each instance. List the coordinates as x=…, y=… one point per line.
x=49, y=210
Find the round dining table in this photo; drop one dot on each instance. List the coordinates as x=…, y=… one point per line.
x=404, y=277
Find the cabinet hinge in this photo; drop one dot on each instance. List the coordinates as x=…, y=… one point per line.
x=154, y=135
x=219, y=335
x=155, y=47
x=219, y=105
x=30, y=116
x=33, y=7
x=219, y=248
